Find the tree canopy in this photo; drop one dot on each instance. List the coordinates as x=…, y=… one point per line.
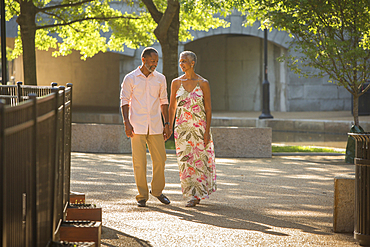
x=92, y=26
x=70, y=25
x=173, y=19
x=333, y=36
x=81, y=25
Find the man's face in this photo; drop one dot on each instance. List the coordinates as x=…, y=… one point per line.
x=150, y=62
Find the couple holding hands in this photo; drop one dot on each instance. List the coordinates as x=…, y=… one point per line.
x=143, y=101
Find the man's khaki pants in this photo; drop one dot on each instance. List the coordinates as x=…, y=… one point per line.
x=158, y=155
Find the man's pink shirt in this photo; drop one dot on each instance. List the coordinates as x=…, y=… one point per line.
x=144, y=95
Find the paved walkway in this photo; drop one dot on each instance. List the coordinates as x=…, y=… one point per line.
x=115, y=118
x=278, y=201
x=313, y=115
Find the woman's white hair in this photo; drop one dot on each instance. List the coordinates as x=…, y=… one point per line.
x=191, y=55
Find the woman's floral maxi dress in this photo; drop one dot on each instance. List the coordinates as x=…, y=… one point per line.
x=196, y=162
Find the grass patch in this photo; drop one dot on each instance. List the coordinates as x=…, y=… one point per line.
x=296, y=149
x=170, y=144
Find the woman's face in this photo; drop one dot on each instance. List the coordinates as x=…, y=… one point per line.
x=185, y=63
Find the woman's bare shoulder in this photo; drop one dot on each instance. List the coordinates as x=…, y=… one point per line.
x=176, y=83
x=202, y=81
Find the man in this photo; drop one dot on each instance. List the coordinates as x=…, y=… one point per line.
x=143, y=98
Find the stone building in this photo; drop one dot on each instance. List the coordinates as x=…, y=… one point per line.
x=230, y=58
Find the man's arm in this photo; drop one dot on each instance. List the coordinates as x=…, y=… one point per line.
x=125, y=97
x=129, y=130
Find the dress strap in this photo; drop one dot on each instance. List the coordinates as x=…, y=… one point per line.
x=181, y=82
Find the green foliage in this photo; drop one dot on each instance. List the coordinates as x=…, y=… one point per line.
x=99, y=25
x=203, y=15
x=88, y=41
x=132, y=32
x=198, y=23
x=12, y=8
x=85, y=26
x=332, y=35
x=44, y=41
x=8, y=52
x=222, y=8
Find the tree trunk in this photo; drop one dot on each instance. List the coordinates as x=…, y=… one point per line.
x=169, y=47
x=355, y=109
x=167, y=33
x=26, y=21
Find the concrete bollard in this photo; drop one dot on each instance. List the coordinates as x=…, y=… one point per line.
x=344, y=203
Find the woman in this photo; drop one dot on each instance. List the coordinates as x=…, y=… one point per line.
x=191, y=96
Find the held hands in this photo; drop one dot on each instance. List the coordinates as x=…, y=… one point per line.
x=166, y=132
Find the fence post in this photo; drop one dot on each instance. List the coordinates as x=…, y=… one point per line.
x=19, y=91
x=54, y=84
x=32, y=177
x=53, y=210
x=63, y=148
x=362, y=188
x=69, y=126
x=2, y=228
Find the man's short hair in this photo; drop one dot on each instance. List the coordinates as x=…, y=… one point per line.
x=148, y=51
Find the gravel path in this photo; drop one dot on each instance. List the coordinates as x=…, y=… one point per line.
x=281, y=201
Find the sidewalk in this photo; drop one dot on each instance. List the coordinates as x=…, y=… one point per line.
x=334, y=116
x=280, y=201
x=312, y=115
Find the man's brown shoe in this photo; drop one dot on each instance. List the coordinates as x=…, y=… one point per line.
x=141, y=203
x=162, y=198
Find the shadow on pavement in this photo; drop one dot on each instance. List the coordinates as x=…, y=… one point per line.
x=224, y=216
x=113, y=238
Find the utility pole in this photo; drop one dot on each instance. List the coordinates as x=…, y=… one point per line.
x=4, y=74
x=265, y=85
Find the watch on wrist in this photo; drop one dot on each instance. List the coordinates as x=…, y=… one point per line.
x=167, y=123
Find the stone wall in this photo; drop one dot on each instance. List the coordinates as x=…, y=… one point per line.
x=229, y=141
x=242, y=142
x=100, y=138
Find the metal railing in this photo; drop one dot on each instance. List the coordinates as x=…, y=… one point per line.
x=362, y=188
x=9, y=93
x=35, y=147
x=25, y=90
x=14, y=94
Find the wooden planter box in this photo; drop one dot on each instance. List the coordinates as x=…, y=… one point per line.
x=76, y=197
x=84, y=212
x=71, y=244
x=81, y=231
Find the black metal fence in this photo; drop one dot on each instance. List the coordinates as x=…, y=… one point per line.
x=9, y=94
x=362, y=188
x=35, y=147
x=14, y=94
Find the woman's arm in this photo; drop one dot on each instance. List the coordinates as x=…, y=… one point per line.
x=204, y=85
x=175, y=85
